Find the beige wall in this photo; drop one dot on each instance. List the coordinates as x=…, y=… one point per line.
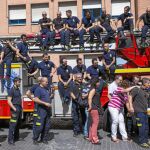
x=137, y=8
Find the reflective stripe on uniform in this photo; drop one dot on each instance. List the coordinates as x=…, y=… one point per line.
x=35, y=115
x=13, y=120
x=137, y=118
x=38, y=123
x=139, y=124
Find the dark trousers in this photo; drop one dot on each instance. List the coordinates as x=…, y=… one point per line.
x=8, y=68
x=76, y=109
x=67, y=34
x=42, y=124
x=142, y=124
x=64, y=91
x=111, y=70
x=109, y=30
x=144, y=31
x=49, y=39
x=14, y=124
x=95, y=31
x=62, y=37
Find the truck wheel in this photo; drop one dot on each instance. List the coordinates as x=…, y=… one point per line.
x=106, y=121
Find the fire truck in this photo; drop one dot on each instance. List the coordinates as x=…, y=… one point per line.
x=134, y=59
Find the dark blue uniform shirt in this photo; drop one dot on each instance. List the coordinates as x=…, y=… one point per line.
x=33, y=65
x=94, y=72
x=33, y=88
x=8, y=53
x=72, y=22
x=122, y=17
x=45, y=20
x=46, y=68
x=16, y=95
x=58, y=23
x=146, y=19
x=78, y=69
x=64, y=72
x=43, y=94
x=88, y=21
x=108, y=56
x=23, y=49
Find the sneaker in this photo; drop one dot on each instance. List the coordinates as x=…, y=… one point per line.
x=148, y=142
x=68, y=47
x=81, y=48
x=144, y=145
x=76, y=134
x=45, y=142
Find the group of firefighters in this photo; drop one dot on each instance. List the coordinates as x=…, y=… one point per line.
x=69, y=78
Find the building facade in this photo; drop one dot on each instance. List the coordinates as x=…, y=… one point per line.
x=21, y=16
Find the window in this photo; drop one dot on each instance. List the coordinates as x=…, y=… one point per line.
x=63, y=6
x=118, y=7
x=93, y=6
x=37, y=10
x=17, y=15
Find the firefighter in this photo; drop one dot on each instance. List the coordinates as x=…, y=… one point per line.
x=45, y=67
x=76, y=94
x=65, y=77
x=7, y=56
x=59, y=28
x=95, y=71
x=86, y=26
x=46, y=29
x=138, y=100
x=146, y=19
x=109, y=61
x=15, y=103
x=42, y=98
x=29, y=95
x=127, y=22
x=106, y=21
x=80, y=68
x=72, y=26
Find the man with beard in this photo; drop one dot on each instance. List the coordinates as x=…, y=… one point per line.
x=106, y=21
x=59, y=28
x=146, y=19
x=45, y=67
x=95, y=71
x=80, y=68
x=127, y=22
x=65, y=76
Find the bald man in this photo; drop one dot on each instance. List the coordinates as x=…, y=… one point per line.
x=42, y=98
x=46, y=29
x=59, y=28
x=146, y=19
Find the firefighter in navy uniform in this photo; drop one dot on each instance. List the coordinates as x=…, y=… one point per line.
x=95, y=70
x=65, y=77
x=71, y=25
x=42, y=98
x=87, y=26
x=80, y=68
x=106, y=21
x=76, y=94
x=146, y=19
x=127, y=22
x=59, y=28
x=7, y=56
x=45, y=67
x=15, y=103
x=46, y=29
x=29, y=95
x=109, y=61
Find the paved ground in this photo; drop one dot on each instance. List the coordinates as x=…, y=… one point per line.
x=63, y=140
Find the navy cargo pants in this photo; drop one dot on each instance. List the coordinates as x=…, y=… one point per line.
x=142, y=124
x=76, y=109
x=42, y=124
x=14, y=124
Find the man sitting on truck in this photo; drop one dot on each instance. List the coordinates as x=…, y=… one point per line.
x=146, y=19
x=127, y=22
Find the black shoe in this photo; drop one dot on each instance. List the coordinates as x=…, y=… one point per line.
x=45, y=142
x=76, y=135
x=11, y=143
x=35, y=142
